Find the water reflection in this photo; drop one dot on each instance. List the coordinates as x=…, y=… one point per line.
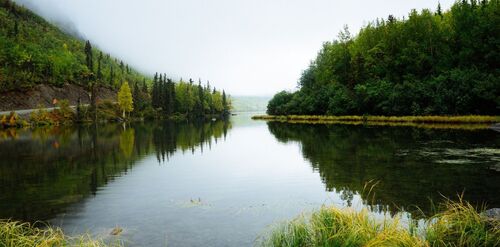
x=43, y=171
x=411, y=166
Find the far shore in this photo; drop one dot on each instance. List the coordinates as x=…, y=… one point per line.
x=436, y=122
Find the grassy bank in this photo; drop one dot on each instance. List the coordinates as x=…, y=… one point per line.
x=448, y=122
x=15, y=234
x=459, y=224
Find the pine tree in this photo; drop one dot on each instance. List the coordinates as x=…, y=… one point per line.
x=122, y=66
x=225, y=102
x=170, y=106
x=144, y=86
x=91, y=84
x=88, y=56
x=99, y=71
x=154, y=92
x=111, y=75
x=136, y=96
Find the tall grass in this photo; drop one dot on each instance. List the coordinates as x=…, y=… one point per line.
x=459, y=224
x=433, y=122
x=413, y=119
x=15, y=234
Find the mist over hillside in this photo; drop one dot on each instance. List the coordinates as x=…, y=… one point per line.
x=53, y=15
x=250, y=103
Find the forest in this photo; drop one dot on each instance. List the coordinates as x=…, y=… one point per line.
x=428, y=63
x=33, y=51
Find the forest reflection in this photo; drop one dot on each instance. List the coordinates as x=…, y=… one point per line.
x=44, y=170
x=408, y=167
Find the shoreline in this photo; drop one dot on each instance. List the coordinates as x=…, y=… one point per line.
x=470, y=122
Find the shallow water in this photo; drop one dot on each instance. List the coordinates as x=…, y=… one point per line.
x=224, y=183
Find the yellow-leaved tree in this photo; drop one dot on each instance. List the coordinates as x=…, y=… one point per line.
x=125, y=99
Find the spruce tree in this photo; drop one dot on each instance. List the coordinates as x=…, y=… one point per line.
x=99, y=71
x=88, y=56
x=154, y=93
x=137, y=97
x=224, y=102
x=111, y=75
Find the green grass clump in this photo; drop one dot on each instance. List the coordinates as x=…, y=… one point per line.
x=459, y=224
x=15, y=234
x=341, y=227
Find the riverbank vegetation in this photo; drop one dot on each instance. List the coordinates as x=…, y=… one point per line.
x=15, y=234
x=458, y=224
x=429, y=63
x=442, y=122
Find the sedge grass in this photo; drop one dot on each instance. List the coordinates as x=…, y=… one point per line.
x=471, y=122
x=459, y=224
x=16, y=234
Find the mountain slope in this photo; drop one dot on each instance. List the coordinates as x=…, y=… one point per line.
x=33, y=51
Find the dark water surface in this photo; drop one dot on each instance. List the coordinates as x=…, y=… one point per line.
x=222, y=183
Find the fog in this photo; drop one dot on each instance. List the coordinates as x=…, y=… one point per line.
x=254, y=47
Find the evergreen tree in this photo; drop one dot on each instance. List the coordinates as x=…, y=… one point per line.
x=144, y=86
x=122, y=66
x=88, y=56
x=111, y=75
x=155, y=92
x=137, y=97
x=99, y=71
x=171, y=97
x=225, y=102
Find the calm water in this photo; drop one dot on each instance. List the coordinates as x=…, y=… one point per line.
x=223, y=183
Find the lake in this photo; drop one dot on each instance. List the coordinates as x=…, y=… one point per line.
x=224, y=183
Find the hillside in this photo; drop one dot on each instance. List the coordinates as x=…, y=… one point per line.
x=431, y=62
x=249, y=103
x=33, y=52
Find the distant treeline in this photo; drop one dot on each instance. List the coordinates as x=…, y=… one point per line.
x=186, y=98
x=429, y=63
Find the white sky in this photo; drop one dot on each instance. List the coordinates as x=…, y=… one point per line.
x=252, y=47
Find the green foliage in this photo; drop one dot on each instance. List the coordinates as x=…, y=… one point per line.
x=443, y=63
x=33, y=51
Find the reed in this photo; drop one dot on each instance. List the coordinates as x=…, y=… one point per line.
x=16, y=234
x=432, y=122
x=459, y=224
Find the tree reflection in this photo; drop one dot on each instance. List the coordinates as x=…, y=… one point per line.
x=412, y=166
x=39, y=179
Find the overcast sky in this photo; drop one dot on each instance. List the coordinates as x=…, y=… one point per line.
x=253, y=47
